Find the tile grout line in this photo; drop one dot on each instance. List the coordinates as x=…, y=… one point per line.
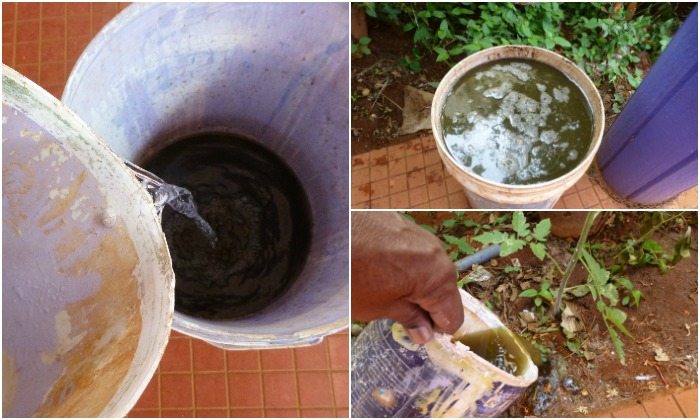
x=296, y=381
x=65, y=46
x=226, y=384
x=327, y=351
x=41, y=36
x=193, y=400
x=14, y=35
x=262, y=383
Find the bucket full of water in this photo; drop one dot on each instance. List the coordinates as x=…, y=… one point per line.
x=87, y=281
x=245, y=106
x=516, y=126
x=477, y=372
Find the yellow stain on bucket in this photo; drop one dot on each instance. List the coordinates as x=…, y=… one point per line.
x=97, y=336
x=9, y=382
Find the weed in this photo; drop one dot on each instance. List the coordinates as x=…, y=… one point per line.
x=361, y=48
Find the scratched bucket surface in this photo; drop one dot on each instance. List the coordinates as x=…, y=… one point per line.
x=275, y=73
x=483, y=193
x=87, y=285
x=392, y=377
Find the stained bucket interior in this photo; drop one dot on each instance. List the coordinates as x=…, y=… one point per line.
x=273, y=73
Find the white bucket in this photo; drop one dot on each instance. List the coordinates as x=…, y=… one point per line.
x=87, y=282
x=483, y=193
x=275, y=73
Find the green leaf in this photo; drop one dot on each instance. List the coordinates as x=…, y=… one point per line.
x=460, y=243
x=529, y=293
x=539, y=250
x=449, y=223
x=542, y=230
x=599, y=275
x=429, y=228
x=636, y=297
x=512, y=268
x=442, y=54
x=511, y=245
x=618, y=317
x=625, y=300
x=580, y=290
x=618, y=345
x=408, y=26
x=538, y=301
x=520, y=225
x=365, y=40
x=652, y=246
x=421, y=35
x=573, y=345
x=610, y=292
x=624, y=283
x=562, y=41
x=492, y=237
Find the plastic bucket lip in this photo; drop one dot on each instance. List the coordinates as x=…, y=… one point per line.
x=471, y=62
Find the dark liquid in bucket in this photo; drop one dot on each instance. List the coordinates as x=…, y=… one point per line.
x=259, y=212
x=499, y=347
x=517, y=122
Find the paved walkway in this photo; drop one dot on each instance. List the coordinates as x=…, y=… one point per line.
x=680, y=403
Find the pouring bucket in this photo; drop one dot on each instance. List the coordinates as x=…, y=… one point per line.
x=483, y=193
x=87, y=282
x=274, y=73
x=392, y=377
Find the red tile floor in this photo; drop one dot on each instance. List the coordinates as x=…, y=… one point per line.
x=411, y=175
x=677, y=403
x=43, y=42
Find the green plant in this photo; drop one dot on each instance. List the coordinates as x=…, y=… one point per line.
x=361, y=48
x=604, y=40
x=538, y=295
x=523, y=233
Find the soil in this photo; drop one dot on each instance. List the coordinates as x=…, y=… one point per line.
x=666, y=319
x=378, y=82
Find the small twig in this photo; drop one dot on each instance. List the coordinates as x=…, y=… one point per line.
x=643, y=340
x=386, y=83
x=395, y=104
x=661, y=374
x=360, y=74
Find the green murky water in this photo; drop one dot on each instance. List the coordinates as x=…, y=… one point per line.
x=500, y=347
x=517, y=122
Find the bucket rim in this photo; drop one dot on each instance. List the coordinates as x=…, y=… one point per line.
x=466, y=64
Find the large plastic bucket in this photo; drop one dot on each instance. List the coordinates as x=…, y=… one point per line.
x=650, y=153
x=483, y=193
x=87, y=284
x=274, y=73
x=392, y=377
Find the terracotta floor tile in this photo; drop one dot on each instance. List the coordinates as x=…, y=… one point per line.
x=51, y=74
x=211, y=412
x=560, y=204
x=398, y=184
x=418, y=195
x=73, y=9
x=572, y=201
x=280, y=389
x=8, y=52
x=27, y=52
x=434, y=173
x=282, y=412
x=149, y=397
x=178, y=413
x=53, y=28
x=377, y=172
x=431, y=157
x=379, y=188
x=99, y=20
x=361, y=193
x=49, y=9
x=688, y=402
x=9, y=12
x=207, y=357
x=243, y=360
x=210, y=389
x=245, y=389
x=397, y=151
x=428, y=142
x=452, y=184
x=416, y=178
x=28, y=11
x=317, y=412
x=397, y=167
x=176, y=390
x=342, y=413
x=27, y=31
x=377, y=154
x=246, y=412
x=399, y=200
x=150, y=413
x=380, y=202
x=78, y=26
x=8, y=35
x=415, y=162
x=338, y=351
x=52, y=51
x=630, y=411
x=360, y=176
x=583, y=183
x=177, y=356
x=662, y=406
x=360, y=161
x=311, y=357
x=315, y=389
x=414, y=146
x=589, y=198
x=282, y=359
x=363, y=205
x=458, y=200
x=436, y=190
x=31, y=71
x=341, y=382
x=440, y=203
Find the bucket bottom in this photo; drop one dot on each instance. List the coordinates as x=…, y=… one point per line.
x=478, y=202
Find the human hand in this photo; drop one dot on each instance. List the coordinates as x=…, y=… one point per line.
x=401, y=272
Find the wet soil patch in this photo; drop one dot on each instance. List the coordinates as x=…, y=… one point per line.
x=259, y=212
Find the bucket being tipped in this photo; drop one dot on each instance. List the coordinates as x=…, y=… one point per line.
x=393, y=377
